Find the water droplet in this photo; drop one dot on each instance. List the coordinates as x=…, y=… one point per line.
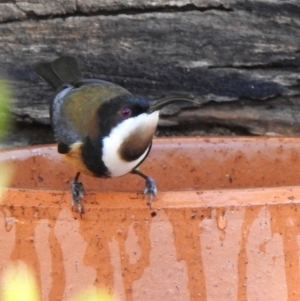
x=222, y=222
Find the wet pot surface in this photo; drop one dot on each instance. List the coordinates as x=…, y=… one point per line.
x=225, y=225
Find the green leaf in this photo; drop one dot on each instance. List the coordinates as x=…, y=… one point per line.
x=4, y=108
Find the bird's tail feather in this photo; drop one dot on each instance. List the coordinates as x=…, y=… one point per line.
x=63, y=70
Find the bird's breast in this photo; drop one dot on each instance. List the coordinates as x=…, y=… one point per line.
x=74, y=158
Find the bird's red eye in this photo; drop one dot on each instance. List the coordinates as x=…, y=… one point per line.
x=125, y=112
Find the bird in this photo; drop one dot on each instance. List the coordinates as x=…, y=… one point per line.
x=101, y=129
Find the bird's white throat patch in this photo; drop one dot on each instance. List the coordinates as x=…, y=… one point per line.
x=111, y=144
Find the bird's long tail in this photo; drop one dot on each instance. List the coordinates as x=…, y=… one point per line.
x=63, y=70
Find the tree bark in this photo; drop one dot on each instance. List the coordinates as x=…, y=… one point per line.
x=239, y=59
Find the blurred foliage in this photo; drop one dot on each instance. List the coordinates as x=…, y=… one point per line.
x=5, y=97
x=5, y=121
x=19, y=284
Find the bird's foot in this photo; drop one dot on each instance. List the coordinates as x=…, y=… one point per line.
x=150, y=189
x=77, y=190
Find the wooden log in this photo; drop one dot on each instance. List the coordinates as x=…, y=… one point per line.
x=236, y=57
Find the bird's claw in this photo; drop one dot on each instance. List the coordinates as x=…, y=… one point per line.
x=150, y=189
x=77, y=194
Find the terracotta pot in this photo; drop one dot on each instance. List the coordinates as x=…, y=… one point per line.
x=225, y=225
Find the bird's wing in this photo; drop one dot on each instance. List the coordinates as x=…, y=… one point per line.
x=74, y=108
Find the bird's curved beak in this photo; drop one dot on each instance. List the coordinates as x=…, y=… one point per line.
x=166, y=101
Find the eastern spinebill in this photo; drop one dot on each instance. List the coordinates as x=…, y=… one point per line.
x=101, y=129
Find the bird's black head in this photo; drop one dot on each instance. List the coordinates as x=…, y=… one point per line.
x=120, y=134
x=119, y=109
